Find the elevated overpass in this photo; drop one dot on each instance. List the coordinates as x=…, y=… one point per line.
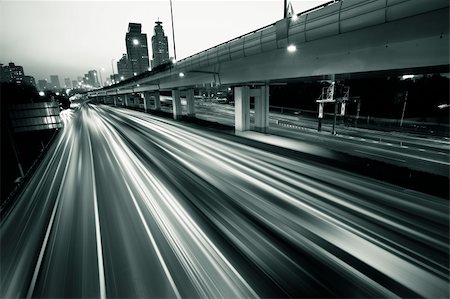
x=339, y=37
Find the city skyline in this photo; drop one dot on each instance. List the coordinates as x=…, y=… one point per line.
x=69, y=37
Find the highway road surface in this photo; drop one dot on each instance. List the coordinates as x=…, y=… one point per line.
x=126, y=204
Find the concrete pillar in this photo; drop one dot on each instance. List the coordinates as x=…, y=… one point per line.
x=176, y=104
x=190, y=103
x=157, y=103
x=262, y=109
x=146, y=101
x=125, y=100
x=115, y=100
x=242, y=108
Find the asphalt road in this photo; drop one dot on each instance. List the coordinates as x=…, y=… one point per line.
x=130, y=205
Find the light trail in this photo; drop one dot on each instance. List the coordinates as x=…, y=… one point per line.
x=185, y=212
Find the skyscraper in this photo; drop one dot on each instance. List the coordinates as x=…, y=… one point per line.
x=160, y=46
x=16, y=73
x=42, y=85
x=75, y=84
x=54, y=82
x=124, y=68
x=67, y=83
x=29, y=80
x=91, y=78
x=137, y=50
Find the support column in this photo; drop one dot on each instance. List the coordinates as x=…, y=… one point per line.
x=157, y=103
x=242, y=108
x=190, y=103
x=115, y=100
x=125, y=100
x=262, y=109
x=176, y=104
x=146, y=101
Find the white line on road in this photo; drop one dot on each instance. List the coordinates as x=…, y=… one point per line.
x=381, y=156
x=101, y=269
x=153, y=242
x=52, y=218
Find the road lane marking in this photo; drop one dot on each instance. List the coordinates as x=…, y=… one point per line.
x=153, y=242
x=50, y=224
x=101, y=269
x=381, y=156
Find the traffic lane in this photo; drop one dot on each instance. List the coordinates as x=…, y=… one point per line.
x=205, y=269
x=132, y=265
x=21, y=230
x=190, y=190
x=416, y=160
x=72, y=242
x=182, y=139
x=394, y=138
x=226, y=113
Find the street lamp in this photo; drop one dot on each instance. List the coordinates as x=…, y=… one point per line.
x=292, y=48
x=112, y=67
x=173, y=33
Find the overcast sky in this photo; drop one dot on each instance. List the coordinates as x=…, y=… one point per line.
x=68, y=38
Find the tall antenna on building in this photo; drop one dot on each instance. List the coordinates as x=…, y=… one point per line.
x=173, y=33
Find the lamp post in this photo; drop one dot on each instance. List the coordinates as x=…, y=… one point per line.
x=173, y=32
x=112, y=68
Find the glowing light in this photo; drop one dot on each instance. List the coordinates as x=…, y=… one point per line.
x=135, y=42
x=181, y=74
x=291, y=48
x=41, y=93
x=405, y=77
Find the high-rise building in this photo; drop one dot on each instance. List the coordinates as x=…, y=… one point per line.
x=54, y=82
x=124, y=68
x=67, y=83
x=5, y=75
x=91, y=78
x=137, y=50
x=160, y=46
x=16, y=73
x=42, y=85
x=29, y=80
x=75, y=84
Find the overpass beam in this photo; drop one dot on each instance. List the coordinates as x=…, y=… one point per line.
x=262, y=109
x=190, y=103
x=242, y=108
x=176, y=104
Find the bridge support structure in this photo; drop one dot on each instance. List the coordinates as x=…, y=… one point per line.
x=242, y=108
x=176, y=104
x=261, y=95
x=125, y=100
x=156, y=101
x=242, y=96
x=190, y=103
